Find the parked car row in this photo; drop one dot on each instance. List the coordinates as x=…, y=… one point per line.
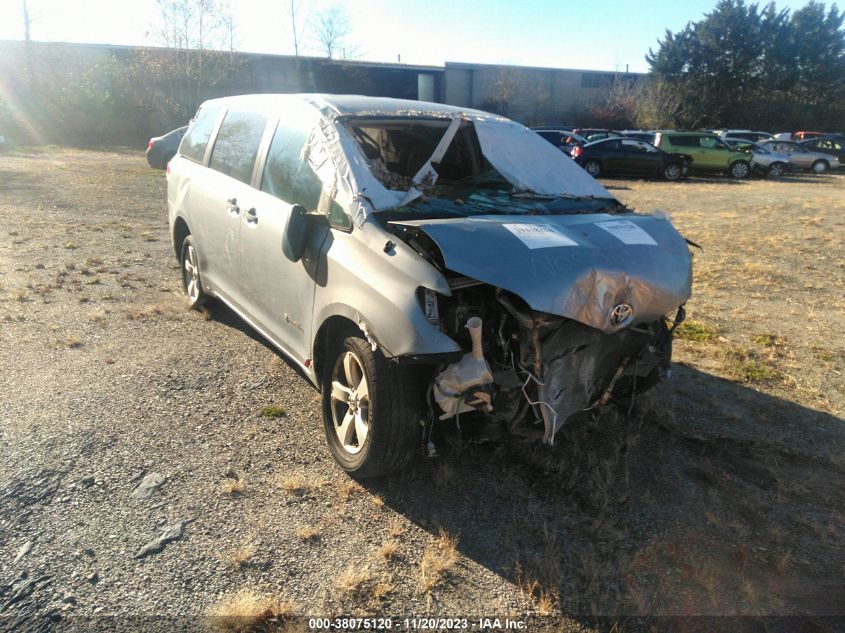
x=671, y=154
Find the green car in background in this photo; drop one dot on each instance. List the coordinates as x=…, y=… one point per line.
x=709, y=153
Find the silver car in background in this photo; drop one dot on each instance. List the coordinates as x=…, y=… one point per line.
x=424, y=265
x=764, y=160
x=803, y=158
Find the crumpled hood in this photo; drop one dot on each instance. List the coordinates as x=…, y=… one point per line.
x=577, y=266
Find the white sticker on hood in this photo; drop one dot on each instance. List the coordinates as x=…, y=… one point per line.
x=539, y=235
x=627, y=232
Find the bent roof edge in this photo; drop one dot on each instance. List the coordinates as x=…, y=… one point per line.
x=351, y=105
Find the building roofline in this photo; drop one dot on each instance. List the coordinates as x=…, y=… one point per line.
x=351, y=62
x=473, y=65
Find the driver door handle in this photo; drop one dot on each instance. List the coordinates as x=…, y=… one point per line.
x=251, y=215
x=232, y=204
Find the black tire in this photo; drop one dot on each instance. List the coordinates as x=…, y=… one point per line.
x=593, y=167
x=776, y=169
x=393, y=407
x=739, y=169
x=191, y=280
x=673, y=171
x=820, y=166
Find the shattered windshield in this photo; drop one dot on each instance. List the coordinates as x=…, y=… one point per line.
x=466, y=166
x=397, y=149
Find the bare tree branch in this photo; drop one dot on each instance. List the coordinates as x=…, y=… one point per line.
x=331, y=30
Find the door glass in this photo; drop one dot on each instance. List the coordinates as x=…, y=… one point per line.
x=289, y=170
x=196, y=139
x=237, y=144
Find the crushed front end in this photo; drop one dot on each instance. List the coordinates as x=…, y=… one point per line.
x=554, y=331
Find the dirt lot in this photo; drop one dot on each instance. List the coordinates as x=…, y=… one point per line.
x=724, y=494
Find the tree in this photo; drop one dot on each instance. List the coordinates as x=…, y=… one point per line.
x=331, y=31
x=198, y=34
x=296, y=29
x=27, y=20
x=743, y=65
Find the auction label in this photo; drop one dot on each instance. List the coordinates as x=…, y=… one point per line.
x=627, y=232
x=539, y=235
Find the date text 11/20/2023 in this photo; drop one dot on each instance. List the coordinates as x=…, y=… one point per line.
x=416, y=624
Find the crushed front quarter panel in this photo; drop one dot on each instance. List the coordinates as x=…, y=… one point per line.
x=577, y=266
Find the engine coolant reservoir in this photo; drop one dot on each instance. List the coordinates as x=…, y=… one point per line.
x=453, y=386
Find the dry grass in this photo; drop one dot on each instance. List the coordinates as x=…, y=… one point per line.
x=248, y=611
x=71, y=342
x=381, y=589
x=351, y=581
x=377, y=500
x=233, y=486
x=146, y=312
x=98, y=316
x=293, y=484
x=242, y=556
x=307, y=533
x=388, y=549
x=347, y=488
x=395, y=529
x=437, y=561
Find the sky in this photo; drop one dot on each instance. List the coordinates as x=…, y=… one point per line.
x=595, y=34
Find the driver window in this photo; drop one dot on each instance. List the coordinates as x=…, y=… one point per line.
x=289, y=170
x=706, y=141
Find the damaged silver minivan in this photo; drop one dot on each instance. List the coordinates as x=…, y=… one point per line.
x=423, y=264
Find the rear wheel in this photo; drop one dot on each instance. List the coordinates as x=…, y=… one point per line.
x=820, y=166
x=370, y=409
x=776, y=170
x=739, y=169
x=673, y=172
x=191, y=281
x=593, y=167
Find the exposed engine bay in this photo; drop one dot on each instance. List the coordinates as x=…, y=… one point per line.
x=526, y=373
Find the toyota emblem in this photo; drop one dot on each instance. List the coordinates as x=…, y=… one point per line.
x=621, y=314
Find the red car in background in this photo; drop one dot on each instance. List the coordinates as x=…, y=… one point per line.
x=803, y=136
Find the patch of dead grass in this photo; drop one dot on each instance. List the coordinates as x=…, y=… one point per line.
x=248, y=611
x=438, y=559
x=308, y=533
x=242, y=556
x=388, y=549
x=233, y=487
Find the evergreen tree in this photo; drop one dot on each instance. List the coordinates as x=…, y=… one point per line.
x=744, y=64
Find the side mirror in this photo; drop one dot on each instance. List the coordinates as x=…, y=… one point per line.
x=297, y=231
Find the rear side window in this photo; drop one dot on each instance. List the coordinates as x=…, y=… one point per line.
x=237, y=144
x=196, y=139
x=684, y=141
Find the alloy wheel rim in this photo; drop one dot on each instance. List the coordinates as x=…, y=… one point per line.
x=819, y=168
x=673, y=172
x=593, y=168
x=776, y=170
x=192, y=274
x=740, y=170
x=350, y=403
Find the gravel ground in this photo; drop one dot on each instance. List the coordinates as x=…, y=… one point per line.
x=156, y=461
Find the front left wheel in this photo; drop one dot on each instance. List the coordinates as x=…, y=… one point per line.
x=191, y=281
x=371, y=409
